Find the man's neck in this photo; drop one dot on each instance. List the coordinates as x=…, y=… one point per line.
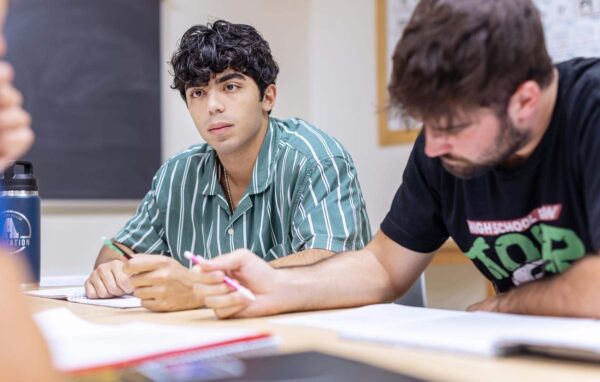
x=542, y=119
x=239, y=165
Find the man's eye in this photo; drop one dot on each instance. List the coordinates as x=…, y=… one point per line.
x=231, y=87
x=457, y=129
x=196, y=93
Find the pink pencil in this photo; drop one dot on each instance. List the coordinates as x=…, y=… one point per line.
x=227, y=280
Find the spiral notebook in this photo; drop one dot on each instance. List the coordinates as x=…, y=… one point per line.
x=77, y=294
x=79, y=346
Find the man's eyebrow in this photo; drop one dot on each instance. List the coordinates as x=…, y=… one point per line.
x=460, y=125
x=230, y=76
x=457, y=126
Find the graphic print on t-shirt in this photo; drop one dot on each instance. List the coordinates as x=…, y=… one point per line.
x=527, y=248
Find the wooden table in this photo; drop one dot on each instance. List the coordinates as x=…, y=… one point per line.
x=429, y=365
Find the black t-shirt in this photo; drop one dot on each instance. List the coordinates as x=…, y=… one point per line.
x=521, y=224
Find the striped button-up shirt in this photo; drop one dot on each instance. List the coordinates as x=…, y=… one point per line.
x=303, y=194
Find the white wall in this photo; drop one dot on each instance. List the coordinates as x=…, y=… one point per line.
x=343, y=95
x=71, y=236
x=326, y=53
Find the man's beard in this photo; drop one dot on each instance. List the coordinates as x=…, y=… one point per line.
x=508, y=141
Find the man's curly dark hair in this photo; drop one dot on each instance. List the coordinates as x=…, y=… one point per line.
x=210, y=49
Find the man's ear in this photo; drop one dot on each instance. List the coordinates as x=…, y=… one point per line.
x=268, y=101
x=524, y=102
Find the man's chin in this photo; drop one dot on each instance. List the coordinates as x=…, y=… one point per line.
x=225, y=147
x=465, y=171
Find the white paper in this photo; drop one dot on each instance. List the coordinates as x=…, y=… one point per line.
x=478, y=333
x=58, y=293
x=77, y=294
x=500, y=331
x=127, y=301
x=386, y=316
x=76, y=344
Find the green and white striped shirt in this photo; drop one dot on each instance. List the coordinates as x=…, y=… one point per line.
x=304, y=194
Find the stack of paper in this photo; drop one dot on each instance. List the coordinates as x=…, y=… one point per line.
x=78, y=345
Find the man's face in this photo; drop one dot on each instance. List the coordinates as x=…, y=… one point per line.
x=476, y=142
x=228, y=111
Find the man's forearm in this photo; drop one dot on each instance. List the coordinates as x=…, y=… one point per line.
x=574, y=293
x=307, y=257
x=335, y=283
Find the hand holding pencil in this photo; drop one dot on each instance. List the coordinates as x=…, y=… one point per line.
x=108, y=279
x=256, y=276
x=226, y=279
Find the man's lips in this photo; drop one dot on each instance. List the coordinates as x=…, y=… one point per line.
x=218, y=127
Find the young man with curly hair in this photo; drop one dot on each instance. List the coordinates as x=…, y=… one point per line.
x=280, y=188
x=507, y=165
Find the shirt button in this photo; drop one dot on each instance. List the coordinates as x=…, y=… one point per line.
x=230, y=231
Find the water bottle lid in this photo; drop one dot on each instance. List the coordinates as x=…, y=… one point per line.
x=18, y=181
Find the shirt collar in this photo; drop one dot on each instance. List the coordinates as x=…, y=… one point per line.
x=208, y=176
x=264, y=168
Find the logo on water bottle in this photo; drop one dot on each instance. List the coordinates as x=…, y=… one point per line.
x=16, y=231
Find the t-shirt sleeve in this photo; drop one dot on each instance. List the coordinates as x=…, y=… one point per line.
x=144, y=232
x=415, y=218
x=331, y=212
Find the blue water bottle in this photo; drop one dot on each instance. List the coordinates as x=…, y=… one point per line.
x=20, y=215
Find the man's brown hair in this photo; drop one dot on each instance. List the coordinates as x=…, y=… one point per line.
x=461, y=54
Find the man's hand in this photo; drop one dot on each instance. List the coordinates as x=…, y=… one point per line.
x=108, y=280
x=253, y=273
x=164, y=285
x=573, y=293
x=15, y=132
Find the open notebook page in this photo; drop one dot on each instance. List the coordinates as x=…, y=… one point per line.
x=57, y=293
x=478, y=333
x=77, y=294
x=482, y=333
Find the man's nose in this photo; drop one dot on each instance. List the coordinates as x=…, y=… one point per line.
x=436, y=144
x=215, y=105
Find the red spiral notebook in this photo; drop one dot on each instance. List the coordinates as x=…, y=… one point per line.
x=78, y=346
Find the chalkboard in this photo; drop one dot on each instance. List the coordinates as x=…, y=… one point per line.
x=89, y=71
